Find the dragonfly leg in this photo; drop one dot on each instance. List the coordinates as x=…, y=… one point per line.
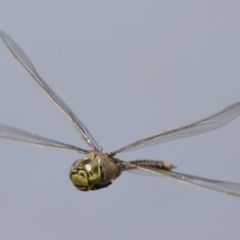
x=100, y=186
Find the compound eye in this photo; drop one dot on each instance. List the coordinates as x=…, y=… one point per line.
x=85, y=174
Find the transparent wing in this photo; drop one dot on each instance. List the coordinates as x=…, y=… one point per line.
x=17, y=135
x=27, y=64
x=206, y=124
x=219, y=186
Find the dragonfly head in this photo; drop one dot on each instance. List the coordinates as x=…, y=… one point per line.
x=85, y=174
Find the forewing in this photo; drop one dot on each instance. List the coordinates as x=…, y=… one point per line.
x=17, y=135
x=206, y=124
x=219, y=186
x=27, y=64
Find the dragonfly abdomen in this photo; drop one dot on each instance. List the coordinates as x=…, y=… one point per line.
x=153, y=163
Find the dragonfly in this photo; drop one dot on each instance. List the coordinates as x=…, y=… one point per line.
x=97, y=170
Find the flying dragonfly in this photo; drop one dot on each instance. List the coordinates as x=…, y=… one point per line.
x=96, y=169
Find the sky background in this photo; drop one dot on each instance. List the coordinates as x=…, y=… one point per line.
x=128, y=69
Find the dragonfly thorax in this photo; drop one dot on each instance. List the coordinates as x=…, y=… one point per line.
x=85, y=174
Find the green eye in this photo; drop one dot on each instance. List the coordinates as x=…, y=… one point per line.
x=85, y=174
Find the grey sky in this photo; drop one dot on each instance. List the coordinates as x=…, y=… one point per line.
x=128, y=69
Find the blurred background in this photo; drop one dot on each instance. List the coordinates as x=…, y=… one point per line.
x=128, y=69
